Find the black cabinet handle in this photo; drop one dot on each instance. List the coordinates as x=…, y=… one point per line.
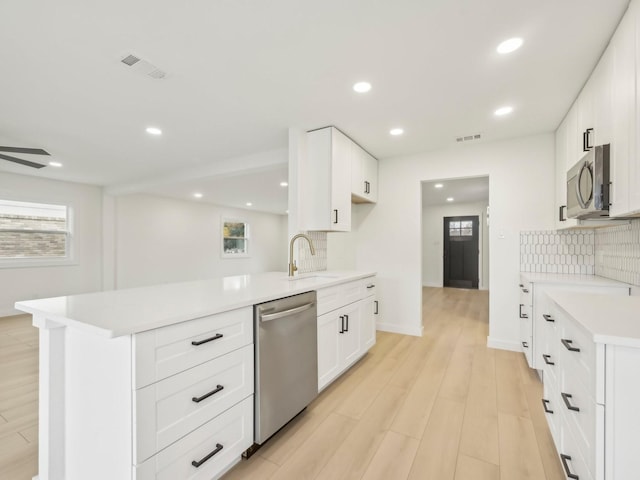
x=342, y=330
x=207, y=395
x=523, y=315
x=375, y=302
x=586, y=140
x=198, y=463
x=561, y=211
x=367, y=187
x=207, y=340
x=521, y=286
x=525, y=344
x=347, y=319
x=547, y=359
x=568, y=345
x=371, y=285
x=569, y=473
x=565, y=398
x=525, y=290
x=544, y=405
x=336, y=212
x=548, y=317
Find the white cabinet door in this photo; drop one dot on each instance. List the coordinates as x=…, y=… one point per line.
x=349, y=345
x=623, y=113
x=368, y=311
x=585, y=117
x=602, y=77
x=526, y=333
x=341, y=182
x=326, y=183
x=574, y=139
x=364, y=177
x=329, y=325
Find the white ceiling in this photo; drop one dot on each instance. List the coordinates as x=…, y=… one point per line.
x=241, y=72
x=462, y=190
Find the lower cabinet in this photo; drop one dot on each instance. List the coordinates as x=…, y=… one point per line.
x=590, y=398
x=347, y=332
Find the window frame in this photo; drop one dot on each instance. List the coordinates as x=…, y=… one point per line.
x=246, y=238
x=33, y=262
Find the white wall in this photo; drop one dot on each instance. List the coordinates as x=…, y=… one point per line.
x=159, y=240
x=521, y=179
x=40, y=282
x=433, y=246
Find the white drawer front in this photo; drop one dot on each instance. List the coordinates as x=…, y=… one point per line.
x=571, y=458
x=329, y=299
x=368, y=287
x=233, y=430
x=526, y=292
x=166, y=351
x=579, y=409
x=166, y=411
x=551, y=405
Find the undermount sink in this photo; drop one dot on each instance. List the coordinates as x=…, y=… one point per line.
x=307, y=276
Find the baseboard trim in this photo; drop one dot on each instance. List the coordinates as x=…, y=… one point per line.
x=432, y=284
x=10, y=312
x=404, y=330
x=504, y=344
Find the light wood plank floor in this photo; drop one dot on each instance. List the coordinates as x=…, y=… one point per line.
x=18, y=398
x=442, y=407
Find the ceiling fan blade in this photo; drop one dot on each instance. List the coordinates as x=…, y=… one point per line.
x=32, y=151
x=22, y=162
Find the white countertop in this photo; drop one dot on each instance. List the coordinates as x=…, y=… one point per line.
x=610, y=319
x=591, y=280
x=124, y=312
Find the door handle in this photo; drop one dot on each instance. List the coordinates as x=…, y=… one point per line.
x=523, y=315
x=336, y=213
x=375, y=302
x=347, y=319
x=565, y=398
x=569, y=345
x=548, y=317
x=547, y=359
x=285, y=313
x=342, y=324
x=561, y=211
x=544, y=405
x=565, y=465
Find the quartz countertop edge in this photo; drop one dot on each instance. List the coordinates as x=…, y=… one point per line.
x=572, y=279
x=609, y=319
x=115, y=313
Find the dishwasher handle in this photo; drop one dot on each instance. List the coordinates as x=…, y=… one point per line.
x=285, y=313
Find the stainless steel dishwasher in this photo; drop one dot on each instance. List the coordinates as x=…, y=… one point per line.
x=286, y=361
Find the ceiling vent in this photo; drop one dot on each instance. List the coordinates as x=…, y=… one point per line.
x=143, y=67
x=468, y=138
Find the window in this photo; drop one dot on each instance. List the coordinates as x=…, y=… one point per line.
x=235, y=238
x=461, y=229
x=34, y=234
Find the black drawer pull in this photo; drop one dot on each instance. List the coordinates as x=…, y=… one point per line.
x=336, y=212
x=525, y=344
x=544, y=405
x=347, y=319
x=207, y=395
x=548, y=317
x=566, y=397
x=569, y=473
x=375, y=302
x=215, y=337
x=547, y=358
x=523, y=315
x=342, y=330
x=525, y=290
x=197, y=464
x=568, y=345
x=371, y=285
x=521, y=286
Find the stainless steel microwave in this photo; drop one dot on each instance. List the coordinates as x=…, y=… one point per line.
x=588, y=185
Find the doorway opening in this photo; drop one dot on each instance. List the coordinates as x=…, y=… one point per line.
x=461, y=253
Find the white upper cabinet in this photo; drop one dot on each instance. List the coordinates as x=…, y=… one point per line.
x=364, y=176
x=623, y=98
x=326, y=187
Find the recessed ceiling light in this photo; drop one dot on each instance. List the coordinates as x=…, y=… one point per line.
x=450, y=199
x=396, y=131
x=55, y=164
x=438, y=185
x=503, y=111
x=197, y=195
x=154, y=131
x=510, y=45
x=362, y=87
x=284, y=184
x=248, y=204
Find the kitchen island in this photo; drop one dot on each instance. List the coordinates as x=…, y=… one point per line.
x=121, y=370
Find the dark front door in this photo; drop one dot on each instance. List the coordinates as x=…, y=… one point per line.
x=461, y=252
